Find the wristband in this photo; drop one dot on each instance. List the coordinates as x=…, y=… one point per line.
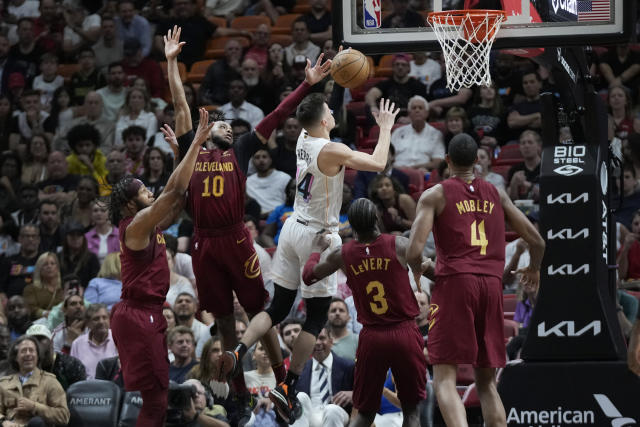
x=308, y=277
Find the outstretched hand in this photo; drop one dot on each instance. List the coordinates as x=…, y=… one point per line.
x=204, y=127
x=386, y=116
x=318, y=72
x=172, y=43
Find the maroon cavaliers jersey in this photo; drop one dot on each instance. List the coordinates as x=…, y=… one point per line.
x=469, y=233
x=145, y=273
x=216, y=189
x=380, y=284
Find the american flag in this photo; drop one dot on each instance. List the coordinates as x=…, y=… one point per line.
x=594, y=10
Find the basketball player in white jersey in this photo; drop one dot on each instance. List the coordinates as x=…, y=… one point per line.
x=319, y=181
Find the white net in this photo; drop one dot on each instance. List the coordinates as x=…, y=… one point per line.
x=466, y=38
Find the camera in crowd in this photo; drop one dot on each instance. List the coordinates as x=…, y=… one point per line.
x=180, y=396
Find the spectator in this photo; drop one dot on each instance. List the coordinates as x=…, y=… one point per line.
x=130, y=25
x=28, y=212
x=16, y=271
x=178, y=284
x=228, y=9
x=423, y=318
x=206, y=370
x=49, y=26
x=319, y=22
x=239, y=127
x=103, y=238
x=117, y=169
x=213, y=89
x=48, y=80
x=259, y=382
x=18, y=319
x=424, y=69
x=527, y=114
x=402, y=16
x=455, y=122
x=86, y=158
x=60, y=186
x=28, y=121
x=10, y=65
x=5, y=116
x=524, y=177
x=75, y=258
x=441, y=98
x=98, y=343
x=181, y=344
x=277, y=69
x=277, y=217
x=60, y=119
x=330, y=405
x=114, y=94
x=267, y=185
x=134, y=64
x=34, y=169
x=157, y=104
x=420, y=145
x=399, y=88
x=397, y=209
x=302, y=44
x=136, y=112
x=487, y=117
x=259, y=93
x=527, y=296
x=169, y=316
x=27, y=52
x=83, y=29
x=345, y=342
x=156, y=175
x=46, y=289
x=70, y=286
x=483, y=169
x=10, y=173
x=344, y=228
x=94, y=115
x=363, y=179
x=238, y=107
x=50, y=232
x=17, y=86
x=65, y=333
x=166, y=116
x=263, y=256
x=517, y=257
x=109, y=47
x=67, y=369
x=620, y=118
x=8, y=236
x=631, y=197
x=107, y=286
x=87, y=78
x=185, y=309
x=81, y=208
x=289, y=330
x=620, y=66
x=5, y=342
x=212, y=415
x=47, y=402
x=134, y=137
x=283, y=151
x=258, y=51
x=22, y=8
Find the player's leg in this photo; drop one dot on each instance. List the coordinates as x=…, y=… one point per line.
x=363, y=419
x=271, y=345
x=410, y=415
x=154, y=407
x=490, y=402
x=451, y=407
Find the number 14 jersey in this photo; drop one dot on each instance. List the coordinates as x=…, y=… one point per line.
x=318, y=196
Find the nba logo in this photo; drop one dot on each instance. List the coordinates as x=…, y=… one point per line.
x=372, y=14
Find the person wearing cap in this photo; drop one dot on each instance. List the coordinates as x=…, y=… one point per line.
x=398, y=88
x=47, y=401
x=135, y=64
x=67, y=369
x=16, y=85
x=302, y=44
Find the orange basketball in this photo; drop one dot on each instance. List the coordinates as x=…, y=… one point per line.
x=350, y=68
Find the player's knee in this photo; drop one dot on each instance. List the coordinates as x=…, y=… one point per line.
x=280, y=307
x=317, y=309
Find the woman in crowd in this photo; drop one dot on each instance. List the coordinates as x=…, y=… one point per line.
x=107, y=287
x=157, y=104
x=277, y=69
x=75, y=258
x=155, y=174
x=136, y=112
x=483, y=169
x=81, y=208
x=456, y=122
x=169, y=316
x=620, y=119
x=8, y=235
x=34, y=168
x=205, y=370
x=488, y=117
x=102, y=238
x=59, y=120
x=46, y=289
x=10, y=173
x=397, y=209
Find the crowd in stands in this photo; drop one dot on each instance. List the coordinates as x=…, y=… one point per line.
x=82, y=96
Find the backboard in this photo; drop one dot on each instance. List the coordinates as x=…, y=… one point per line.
x=369, y=25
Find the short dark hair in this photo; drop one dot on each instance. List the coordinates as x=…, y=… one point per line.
x=134, y=131
x=240, y=122
x=86, y=49
x=290, y=321
x=463, y=150
x=251, y=218
x=83, y=132
x=113, y=65
x=300, y=19
x=30, y=187
x=363, y=215
x=310, y=110
x=48, y=202
x=628, y=167
x=338, y=299
x=24, y=19
x=12, y=357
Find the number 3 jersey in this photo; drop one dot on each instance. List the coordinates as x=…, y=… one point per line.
x=380, y=284
x=318, y=196
x=469, y=233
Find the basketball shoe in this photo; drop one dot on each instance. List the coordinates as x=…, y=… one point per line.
x=287, y=405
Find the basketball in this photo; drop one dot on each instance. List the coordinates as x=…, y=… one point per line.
x=350, y=68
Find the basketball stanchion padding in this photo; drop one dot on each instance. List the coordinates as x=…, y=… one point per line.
x=466, y=37
x=350, y=68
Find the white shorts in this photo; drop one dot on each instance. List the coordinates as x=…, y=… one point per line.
x=295, y=245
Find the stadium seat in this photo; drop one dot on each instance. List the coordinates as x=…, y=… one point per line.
x=502, y=170
x=198, y=70
x=284, y=22
x=350, y=176
x=509, y=302
x=509, y=152
x=358, y=110
x=358, y=93
x=508, y=315
x=416, y=179
x=182, y=69
x=94, y=403
x=218, y=21
x=470, y=397
x=302, y=7
x=465, y=375
x=250, y=23
x=283, y=40
x=131, y=404
x=511, y=329
x=440, y=125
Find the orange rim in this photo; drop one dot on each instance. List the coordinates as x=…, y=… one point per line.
x=474, y=14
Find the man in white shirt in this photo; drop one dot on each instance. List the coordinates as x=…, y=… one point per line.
x=81, y=27
x=424, y=68
x=302, y=44
x=93, y=115
x=109, y=47
x=24, y=8
x=267, y=185
x=419, y=145
x=238, y=107
x=113, y=94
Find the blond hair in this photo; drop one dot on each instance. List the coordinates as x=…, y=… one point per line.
x=110, y=268
x=37, y=276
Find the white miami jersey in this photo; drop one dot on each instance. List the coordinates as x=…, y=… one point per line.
x=318, y=196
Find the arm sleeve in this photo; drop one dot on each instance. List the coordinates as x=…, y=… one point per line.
x=245, y=147
x=283, y=110
x=307, y=273
x=184, y=142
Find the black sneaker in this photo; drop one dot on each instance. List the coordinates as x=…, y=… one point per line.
x=286, y=405
x=228, y=366
x=246, y=406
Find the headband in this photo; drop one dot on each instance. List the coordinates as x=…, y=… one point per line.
x=132, y=188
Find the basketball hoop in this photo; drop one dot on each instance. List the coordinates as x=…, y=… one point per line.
x=466, y=37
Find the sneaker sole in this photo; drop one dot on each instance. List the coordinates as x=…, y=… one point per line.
x=280, y=402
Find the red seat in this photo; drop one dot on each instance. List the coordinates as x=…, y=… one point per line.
x=465, y=375
x=440, y=125
x=511, y=151
x=509, y=302
x=506, y=162
x=502, y=170
x=350, y=176
x=508, y=315
x=358, y=110
x=470, y=397
x=416, y=179
x=358, y=94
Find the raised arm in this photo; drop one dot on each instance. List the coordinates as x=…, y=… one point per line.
x=172, y=48
x=146, y=220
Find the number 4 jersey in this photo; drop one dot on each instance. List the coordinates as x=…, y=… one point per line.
x=318, y=196
x=469, y=233
x=380, y=284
